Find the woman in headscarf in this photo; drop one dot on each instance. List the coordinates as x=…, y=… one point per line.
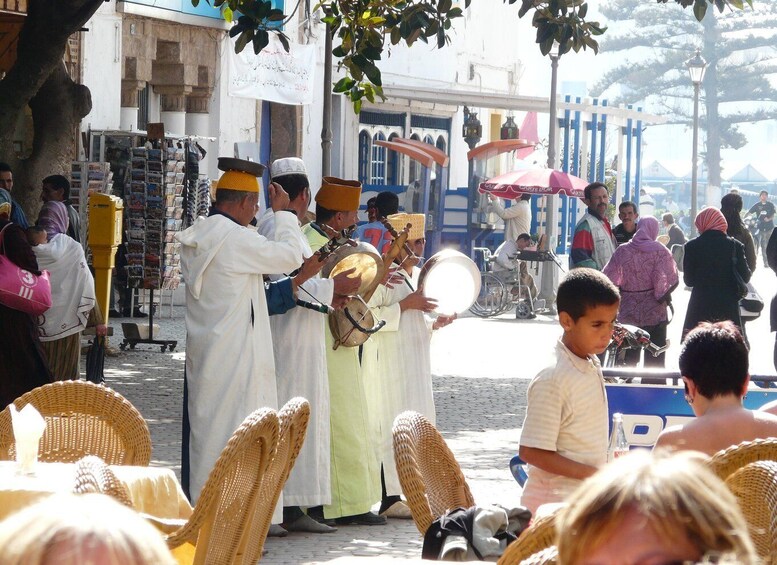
x=23, y=365
x=708, y=267
x=645, y=273
x=731, y=207
x=72, y=293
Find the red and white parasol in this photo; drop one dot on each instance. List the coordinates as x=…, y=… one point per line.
x=534, y=181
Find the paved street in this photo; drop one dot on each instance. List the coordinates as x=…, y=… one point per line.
x=481, y=368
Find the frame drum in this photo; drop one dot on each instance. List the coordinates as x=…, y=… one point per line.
x=363, y=257
x=452, y=279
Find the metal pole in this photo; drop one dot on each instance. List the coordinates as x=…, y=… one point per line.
x=326, y=128
x=695, y=157
x=549, y=280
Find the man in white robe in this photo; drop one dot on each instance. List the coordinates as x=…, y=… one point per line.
x=354, y=470
x=300, y=361
x=229, y=359
x=396, y=360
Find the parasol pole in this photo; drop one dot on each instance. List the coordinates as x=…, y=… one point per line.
x=549, y=281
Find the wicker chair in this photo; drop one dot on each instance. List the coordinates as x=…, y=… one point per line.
x=429, y=474
x=219, y=524
x=727, y=461
x=547, y=556
x=539, y=536
x=755, y=486
x=82, y=419
x=93, y=475
x=293, y=424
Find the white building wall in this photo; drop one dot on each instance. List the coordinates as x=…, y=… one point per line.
x=102, y=58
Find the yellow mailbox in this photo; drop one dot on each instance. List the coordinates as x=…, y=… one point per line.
x=105, y=226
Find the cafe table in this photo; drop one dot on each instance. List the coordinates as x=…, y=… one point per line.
x=153, y=490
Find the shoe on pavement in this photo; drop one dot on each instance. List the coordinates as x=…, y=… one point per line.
x=398, y=510
x=366, y=519
x=115, y=314
x=307, y=524
x=277, y=531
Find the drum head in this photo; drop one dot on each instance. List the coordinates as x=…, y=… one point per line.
x=451, y=278
x=363, y=257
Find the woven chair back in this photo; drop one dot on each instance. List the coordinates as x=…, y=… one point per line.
x=539, y=537
x=93, y=475
x=755, y=486
x=429, y=474
x=293, y=421
x=729, y=460
x=82, y=419
x=218, y=526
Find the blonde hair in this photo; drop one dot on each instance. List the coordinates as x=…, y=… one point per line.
x=80, y=529
x=677, y=494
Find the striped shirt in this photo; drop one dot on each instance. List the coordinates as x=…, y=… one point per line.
x=566, y=413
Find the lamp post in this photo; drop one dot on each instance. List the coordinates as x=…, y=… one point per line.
x=696, y=66
x=549, y=281
x=471, y=131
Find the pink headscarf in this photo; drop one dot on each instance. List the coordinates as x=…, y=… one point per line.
x=645, y=238
x=711, y=219
x=53, y=218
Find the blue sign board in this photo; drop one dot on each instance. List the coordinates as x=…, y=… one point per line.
x=648, y=409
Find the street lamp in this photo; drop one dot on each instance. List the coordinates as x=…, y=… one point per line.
x=472, y=131
x=549, y=280
x=509, y=130
x=696, y=66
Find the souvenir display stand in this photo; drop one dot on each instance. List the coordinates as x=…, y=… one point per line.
x=158, y=181
x=86, y=178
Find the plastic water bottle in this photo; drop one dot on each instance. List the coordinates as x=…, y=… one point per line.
x=618, y=444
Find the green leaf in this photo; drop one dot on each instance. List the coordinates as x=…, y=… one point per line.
x=357, y=106
x=444, y=6
x=227, y=14
x=284, y=41
x=396, y=36
x=440, y=38
x=737, y=4
x=699, y=9
x=344, y=84
x=195, y=3
x=456, y=12
x=369, y=93
x=526, y=5
x=260, y=41
x=339, y=51
x=244, y=38
x=582, y=11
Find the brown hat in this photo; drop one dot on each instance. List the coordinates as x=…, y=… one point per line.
x=339, y=195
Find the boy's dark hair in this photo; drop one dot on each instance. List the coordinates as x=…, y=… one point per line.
x=583, y=289
x=593, y=186
x=524, y=236
x=5, y=167
x=668, y=218
x=58, y=182
x=766, y=192
x=525, y=197
x=324, y=214
x=387, y=203
x=371, y=203
x=224, y=195
x=714, y=356
x=35, y=229
x=294, y=184
x=625, y=203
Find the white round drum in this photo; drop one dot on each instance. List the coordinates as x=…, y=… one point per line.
x=452, y=279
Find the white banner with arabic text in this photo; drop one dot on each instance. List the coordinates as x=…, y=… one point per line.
x=273, y=74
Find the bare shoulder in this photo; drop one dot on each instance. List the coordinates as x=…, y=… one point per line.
x=672, y=438
x=769, y=407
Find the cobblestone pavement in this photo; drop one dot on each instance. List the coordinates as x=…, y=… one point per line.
x=482, y=369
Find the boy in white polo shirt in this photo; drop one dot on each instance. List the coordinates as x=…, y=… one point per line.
x=564, y=436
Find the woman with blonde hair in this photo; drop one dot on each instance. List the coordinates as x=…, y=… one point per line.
x=646, y=509
x=79, y=529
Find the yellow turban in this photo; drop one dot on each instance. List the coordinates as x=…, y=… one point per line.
x=417, y=221
x=238, y=180
x=339, y=195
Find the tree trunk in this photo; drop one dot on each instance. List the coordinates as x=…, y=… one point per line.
x=38, y=69
x=712, y=119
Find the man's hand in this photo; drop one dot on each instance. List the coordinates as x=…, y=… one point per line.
x=491, y=197
x=279, y=199
x=443, y=321
x=307, y=270
x=417, y=301
x=101, y=330
x=345, y=285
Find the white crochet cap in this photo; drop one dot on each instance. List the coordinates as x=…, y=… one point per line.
x=287, y=166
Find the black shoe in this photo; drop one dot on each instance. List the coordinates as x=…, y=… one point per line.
x=366, y=519
x=138, y=314
x=317, y=513
x=115, y=314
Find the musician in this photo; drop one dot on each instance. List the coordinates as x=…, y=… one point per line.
x=303, y=371
x=354, y=471
x=230, y=370
x=396, y=360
